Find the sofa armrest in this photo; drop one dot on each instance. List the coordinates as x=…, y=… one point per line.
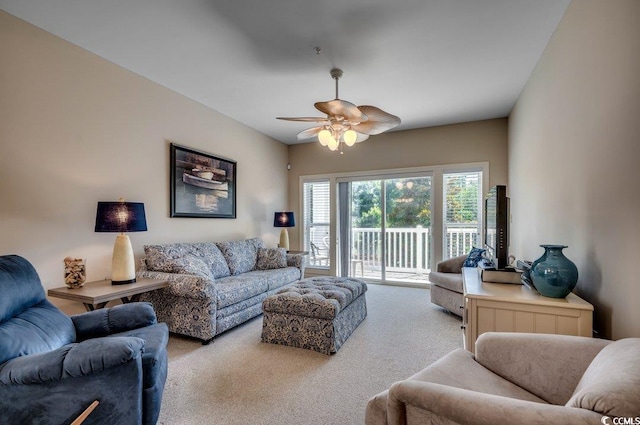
x=71, y=361
x=473, y=408
x=298, y=260
x=549, y=366
x=107, y=321
x=451, y=265
x=184, y=285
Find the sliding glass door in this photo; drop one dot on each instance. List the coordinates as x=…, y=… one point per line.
x=387, y=235
x=365, y=238
x=391, y=226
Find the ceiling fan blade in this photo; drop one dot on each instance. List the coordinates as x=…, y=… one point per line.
x=379, y=121
x=304, y=119
x=361, y=137
x=348, y=110
x=309, y=133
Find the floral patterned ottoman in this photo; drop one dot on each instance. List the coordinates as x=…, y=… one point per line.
x=318, y=313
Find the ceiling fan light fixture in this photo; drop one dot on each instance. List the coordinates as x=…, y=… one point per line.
x=324, y=136
x=333, y=143
x=350, y=137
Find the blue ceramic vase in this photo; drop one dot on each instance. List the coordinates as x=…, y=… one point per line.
x=553, y=274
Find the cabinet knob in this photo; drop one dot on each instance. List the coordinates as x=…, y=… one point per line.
x=463, y=327
x=461, y=306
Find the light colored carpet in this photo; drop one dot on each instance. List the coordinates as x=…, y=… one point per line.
x=239, y=380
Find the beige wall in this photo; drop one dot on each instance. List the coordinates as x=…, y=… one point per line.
x=76, y=129
x=452, y=144
x=573, y=157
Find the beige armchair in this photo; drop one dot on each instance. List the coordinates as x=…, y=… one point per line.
x=518, y=378
x=446, y=284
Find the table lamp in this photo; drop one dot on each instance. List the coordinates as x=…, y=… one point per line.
x=284, y=219
x=121, y=217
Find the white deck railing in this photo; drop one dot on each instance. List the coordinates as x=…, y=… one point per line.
x=460, y=240
x=408, y=249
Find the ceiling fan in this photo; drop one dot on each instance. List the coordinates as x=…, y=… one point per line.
x=345, y=122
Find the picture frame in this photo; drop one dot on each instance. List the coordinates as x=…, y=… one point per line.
x=202, y=185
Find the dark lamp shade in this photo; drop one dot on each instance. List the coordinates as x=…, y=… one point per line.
x=121, y=217
x=284, y=219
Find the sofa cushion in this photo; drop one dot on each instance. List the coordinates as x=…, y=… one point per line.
x=611, y=383
x=277, y=278
x=271, y=258
x=474, y=257
x=236, y=308
x=234, y=289
x=460, y=370
x=190, y=264
x=241, y=256
x=161, y=258
x=214, y=258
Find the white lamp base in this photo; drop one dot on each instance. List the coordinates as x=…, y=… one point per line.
x=123, y=267
x=284, y=239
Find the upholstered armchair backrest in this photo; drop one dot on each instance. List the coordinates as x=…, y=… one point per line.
x=611, y=383
x=29, y=323
x=451, y=265
x=20, y=284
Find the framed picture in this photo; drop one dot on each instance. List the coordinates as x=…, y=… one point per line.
x=202, y=185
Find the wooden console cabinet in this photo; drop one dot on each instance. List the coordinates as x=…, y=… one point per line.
x=502, y=307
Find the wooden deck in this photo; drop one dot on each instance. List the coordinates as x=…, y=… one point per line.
x=372, y=274
x=405, y=277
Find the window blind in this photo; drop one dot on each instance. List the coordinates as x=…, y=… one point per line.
x=462, y=212
x=317, y=219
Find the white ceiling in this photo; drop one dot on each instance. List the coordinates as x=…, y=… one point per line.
x=430, y=62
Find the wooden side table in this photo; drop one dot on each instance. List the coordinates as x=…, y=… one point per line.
x=97, y=294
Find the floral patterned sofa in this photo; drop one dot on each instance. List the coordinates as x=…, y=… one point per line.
x=215, y=286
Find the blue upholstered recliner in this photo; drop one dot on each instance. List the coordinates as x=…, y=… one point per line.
x=52, y=366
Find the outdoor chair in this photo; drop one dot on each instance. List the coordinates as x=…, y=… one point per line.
x=318, y=258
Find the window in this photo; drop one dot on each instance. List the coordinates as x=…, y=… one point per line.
x=462, y=212
x=317, y=219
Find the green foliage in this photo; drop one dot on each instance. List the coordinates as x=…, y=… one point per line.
x=366, y=204
x=462, y=200
x=408, y=203
x=371, y=218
